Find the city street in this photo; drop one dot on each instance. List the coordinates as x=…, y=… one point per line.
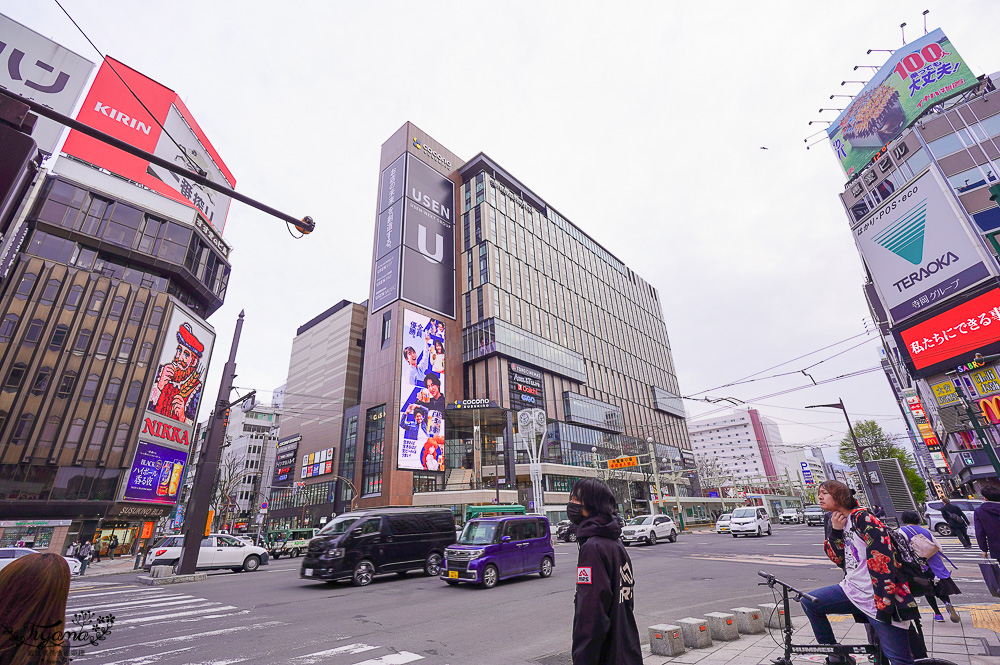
x=272, y=616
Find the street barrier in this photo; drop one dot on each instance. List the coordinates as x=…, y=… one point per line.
x=774, y=615
x=695, y=631
x=666, y=640
x=749, y=620
x=722, y=626
x=161, y=571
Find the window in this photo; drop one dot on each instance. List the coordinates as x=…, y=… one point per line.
x=58, y=337
x=91, y=222
x=121, y=439
x=371, y=481
x=97, y=436
x=89, y=388
x=175, y=242
x=120, y=229
x=149, y=240
x=50, y=292
x=145, y=351
x=125, y=349
x=156, y=317
x=66, y=385
x=7, y=327
x=74, y=297
x=82, y=340
x=105, y=344
x=15, y=378
x=117, y=307
x=74, y=434
x=34, y=331
x=41, y=382
x=96, y=303
x=24, y=288
x=22, y=429
x=138, y=309
x=111, y=392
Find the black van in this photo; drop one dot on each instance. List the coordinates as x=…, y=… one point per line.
x=365, y=543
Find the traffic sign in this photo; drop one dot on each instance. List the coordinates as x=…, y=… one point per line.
x=263, y=506
x=531, y=505
x=623, y=462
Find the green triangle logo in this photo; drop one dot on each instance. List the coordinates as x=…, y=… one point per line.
x=905, y=238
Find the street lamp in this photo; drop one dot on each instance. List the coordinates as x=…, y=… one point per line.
x=865, y=480
x=656, y=475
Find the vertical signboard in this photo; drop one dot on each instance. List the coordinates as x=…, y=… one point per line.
x=37, y=68
x=284, y=461
x=179, y=380
x=925, y=71
x=155, y=475
x=415, y=238
x=807, y=475
x=112, y=108
x=526, y=388
x=916, y=408
x=421, y=394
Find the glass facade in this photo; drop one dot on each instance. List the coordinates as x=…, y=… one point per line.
x=371, y=464
x=497, y=336
x=589, y=411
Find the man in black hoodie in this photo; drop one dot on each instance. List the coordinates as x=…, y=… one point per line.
x=957, y=520
x=986, y=521
x=604, y=630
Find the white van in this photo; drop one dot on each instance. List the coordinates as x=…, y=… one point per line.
x=750, y=520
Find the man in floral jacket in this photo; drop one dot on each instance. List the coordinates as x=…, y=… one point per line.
x=872, y=589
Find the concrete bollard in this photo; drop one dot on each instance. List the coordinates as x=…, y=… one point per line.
x=666, y=640
x=774, y=615
x=749, y=620
x=695, y=632
x=722, y=626
x=161, y=571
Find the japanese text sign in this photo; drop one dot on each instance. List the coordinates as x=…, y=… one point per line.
x=925, y=71
x=986, y=381
x=155, y=475
x=963, y=329
x=623, y=462
x=918, y=248
x=945, y=393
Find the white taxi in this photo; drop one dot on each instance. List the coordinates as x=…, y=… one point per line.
x=218, y=551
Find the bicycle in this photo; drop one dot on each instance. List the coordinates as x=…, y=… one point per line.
x=841, y=651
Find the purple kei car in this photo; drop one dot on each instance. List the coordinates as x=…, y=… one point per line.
x=491, y=549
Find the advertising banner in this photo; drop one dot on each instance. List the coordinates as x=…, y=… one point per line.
x=155, y=476
x=918, y=250
x=113, y=109
x=39, y=69
x=962, y=330
x=526, y=388
x=172, y=407
x=421, y=394
x=807, y=475
x=945, y=393
x=925, y=71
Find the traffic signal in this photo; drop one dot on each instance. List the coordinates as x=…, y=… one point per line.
x=995, y=194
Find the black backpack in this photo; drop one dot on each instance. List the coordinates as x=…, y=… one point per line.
x=911, y=566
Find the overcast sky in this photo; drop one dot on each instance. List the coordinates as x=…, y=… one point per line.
x=642, y=123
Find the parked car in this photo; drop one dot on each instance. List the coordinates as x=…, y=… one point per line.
x=935, y=522
x=791, y=516
x=218, y=551
x=362, y=544
x=496, y=548
x=566, y=531
x=722, y=524
x=9, y=554
x=750, y=520
x=649, y=529
x=814, y=516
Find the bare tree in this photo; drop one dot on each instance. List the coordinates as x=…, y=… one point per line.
x=230, y=476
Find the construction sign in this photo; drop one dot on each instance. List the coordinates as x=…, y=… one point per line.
x=623, y=462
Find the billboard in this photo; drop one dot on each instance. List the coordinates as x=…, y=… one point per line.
x=156, y=472
x=962, y=330
x=39, y=69
x=179, y=379
x=318, y=463
x=924, y=72
x=167, y=130
x=284, y=461
x=526, y=388
x=421, y=394
x=415, y=238
x=897, y=242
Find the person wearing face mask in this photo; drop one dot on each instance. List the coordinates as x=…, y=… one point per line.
x=604, y=629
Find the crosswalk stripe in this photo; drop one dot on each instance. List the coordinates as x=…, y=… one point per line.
x=139, y=609
x=144, y=590
x=175, y=615
x=317, y=657
x=146, y=659
x=393, y=659
x=128, y=603
x=187, y=638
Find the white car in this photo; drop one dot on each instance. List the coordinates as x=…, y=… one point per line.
x=649, y=529
x=750, y=521
x=935, y=522
x=8, y=554
x=791, y=516
x=218, y=551
x=722, y=524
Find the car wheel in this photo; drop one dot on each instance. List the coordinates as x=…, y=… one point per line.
x=546, y=569
x=624, y=544
x=572, y=537
x=490, y=576
x=275, y=556
x=432, y=567
x=759, y=532
x=295, y=553
x=673, y=536
x=769, y=529
x=364, y=571
x=735, y=535
x=174, y=567
x=652, y=538
x=251, y=563
x=402, y=573
x=943, y=529
x=451, y=582
x=236, y=570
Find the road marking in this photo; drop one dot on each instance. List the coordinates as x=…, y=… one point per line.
x=175, y=615
x=132, y=603
x=393, y=659
x=115, y=593
x=188, y=638
x=317, y=657
x=145, y=660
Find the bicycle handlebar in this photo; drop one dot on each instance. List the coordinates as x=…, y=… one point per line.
x=772, y=580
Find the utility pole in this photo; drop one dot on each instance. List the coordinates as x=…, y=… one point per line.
x=865, y=479
x=196, y=515
x=656, y=475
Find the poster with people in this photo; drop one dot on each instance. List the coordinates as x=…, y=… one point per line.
x=421, y=394
x=179, y=380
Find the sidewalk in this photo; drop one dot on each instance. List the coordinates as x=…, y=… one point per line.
x=974, y=641
x=118, y=566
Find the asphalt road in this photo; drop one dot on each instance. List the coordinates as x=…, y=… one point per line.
x=272, y=616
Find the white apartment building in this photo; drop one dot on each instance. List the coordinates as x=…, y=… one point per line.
x=737, y=444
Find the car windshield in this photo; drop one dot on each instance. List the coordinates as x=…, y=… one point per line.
x=478, y=533
x=727, y=516
x=338, y=526
x=744, y=512
x=814, y=509
x=790, y=511
x=642, y=519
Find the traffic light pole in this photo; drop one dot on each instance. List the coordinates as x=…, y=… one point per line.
x=196, y=516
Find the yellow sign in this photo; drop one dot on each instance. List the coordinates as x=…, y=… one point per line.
x=986, y=381
x=945, y=393
x=208, y=524
x=623, y=462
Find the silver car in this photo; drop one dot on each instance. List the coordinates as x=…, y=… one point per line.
x=649, y=529
x=9, y=554
x=935, y=522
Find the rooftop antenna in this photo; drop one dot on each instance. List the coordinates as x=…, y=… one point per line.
x=871, y=66
x=902, y=29
x=925, y=13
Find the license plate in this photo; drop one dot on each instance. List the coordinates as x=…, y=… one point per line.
x=453, y=574
x=309, y=573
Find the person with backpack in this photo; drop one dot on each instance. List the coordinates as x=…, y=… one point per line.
x=926, y=546
x=956, y=519
x=112, y=546
x=83, y=555
x=986, y=521
x=71, y=550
